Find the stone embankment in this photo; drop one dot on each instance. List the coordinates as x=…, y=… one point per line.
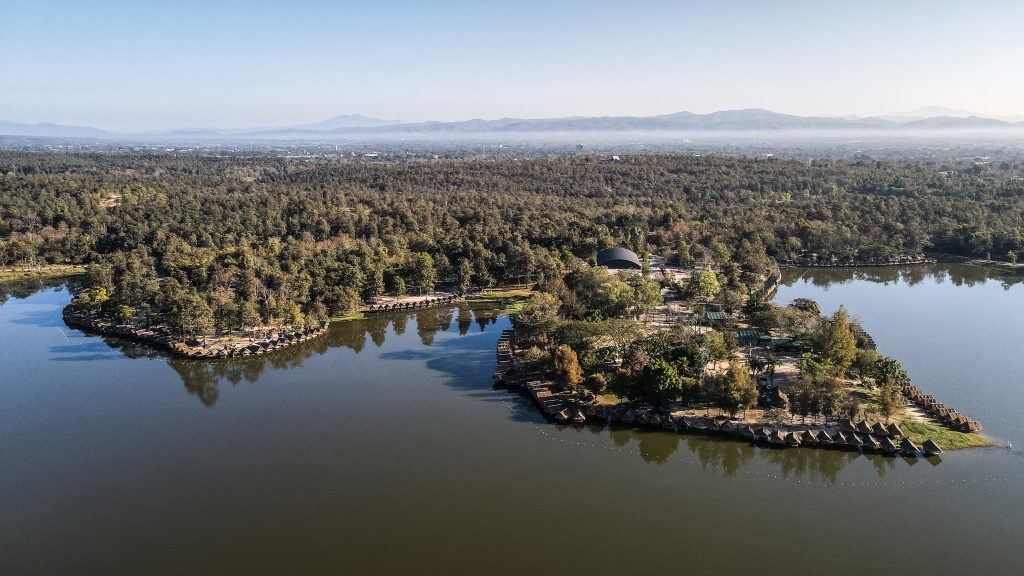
x=162, y=337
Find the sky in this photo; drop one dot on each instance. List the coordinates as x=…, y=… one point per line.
x=138, y=65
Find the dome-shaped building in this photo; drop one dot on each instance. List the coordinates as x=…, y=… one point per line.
x=618, y=259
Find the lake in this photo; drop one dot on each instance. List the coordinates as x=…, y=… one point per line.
x=383, y=449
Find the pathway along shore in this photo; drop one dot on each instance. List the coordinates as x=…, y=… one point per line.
x=860, y=436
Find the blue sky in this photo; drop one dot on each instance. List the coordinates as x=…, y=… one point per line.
x=153, y=65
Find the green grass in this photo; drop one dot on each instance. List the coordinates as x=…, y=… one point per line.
x=609, y=398
x=40, y=273
x=947, y=439
x=349, y=316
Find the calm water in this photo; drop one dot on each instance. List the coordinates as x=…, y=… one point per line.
x=383, y=449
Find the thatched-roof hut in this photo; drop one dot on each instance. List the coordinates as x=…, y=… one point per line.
x=879, y=429
x=777, y=438
x=791, y=440
x=854, y=441
x=931, y=448
x=871, y=443
x=848, y=425
x=863, y=427
x=824, y=438
x=908, y=448
x=654, y=419
x=888, y=446
x=894, y=430
x=809, y=437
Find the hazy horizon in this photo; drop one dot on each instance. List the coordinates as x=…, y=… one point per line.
x=232, y=65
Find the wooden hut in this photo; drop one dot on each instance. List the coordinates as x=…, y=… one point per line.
x=879, y=429
x=863, y=427
x=894, y=430
x=871, y=443
x=888, y=446
x=629, y=417
x=908, y=448
x=809, y=438
x=792, y=440
x=776, y=438
x=854, y=441
x=848, y=425
x=825, y=439
x=931, y=448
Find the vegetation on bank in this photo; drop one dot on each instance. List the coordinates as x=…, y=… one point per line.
x=948, y=439
x=40, y=272
x=214, y=245
x=584, y=330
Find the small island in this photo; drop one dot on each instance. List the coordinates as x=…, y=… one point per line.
x=702, y=349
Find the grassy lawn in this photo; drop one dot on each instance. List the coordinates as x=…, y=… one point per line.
x=609, y=398
x=947, y=439
x=512, y=298
x=40, y=273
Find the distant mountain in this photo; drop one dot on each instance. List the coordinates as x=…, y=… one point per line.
x=728, y=120
x=957, y=123
x=754, y=119
x=345, y=121
x=940, y=111
x=46, y=129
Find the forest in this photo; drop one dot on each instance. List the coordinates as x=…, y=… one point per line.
x=218, y=244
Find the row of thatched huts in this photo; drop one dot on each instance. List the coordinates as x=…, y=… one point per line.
x=413, y=304
x=505, y=358
x=161, y=336
x=858, y=436
x=947, y=416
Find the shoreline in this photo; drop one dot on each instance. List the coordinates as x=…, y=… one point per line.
x=48, y=272
x=864, y=436
x=162, y=338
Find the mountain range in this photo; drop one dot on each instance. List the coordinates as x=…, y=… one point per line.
x=723, y=121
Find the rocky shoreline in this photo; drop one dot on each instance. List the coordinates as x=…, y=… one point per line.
x=162, y=337
x=861, y=436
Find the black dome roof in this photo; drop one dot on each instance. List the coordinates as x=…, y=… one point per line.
x=618, y=258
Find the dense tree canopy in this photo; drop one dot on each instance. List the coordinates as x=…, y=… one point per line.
x=276, y=240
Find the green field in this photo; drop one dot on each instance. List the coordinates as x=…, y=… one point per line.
x=947, y=439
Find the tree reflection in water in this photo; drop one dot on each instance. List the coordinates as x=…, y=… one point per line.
x=958, y=274
x=202, y=378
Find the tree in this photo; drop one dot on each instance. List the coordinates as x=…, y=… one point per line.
x=891, y=376
x=734, y=388
x=864, y=363
x=806, y=305
x=190, y=315
x=839, y=346
x=465, y=274
x=424, y=274
x=567, y=366
x=538, y=318
x=659, y=383
x=705, y=286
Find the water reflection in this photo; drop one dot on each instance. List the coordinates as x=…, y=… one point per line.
x=202, y=378
x=958, y=274
x=728, y=457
